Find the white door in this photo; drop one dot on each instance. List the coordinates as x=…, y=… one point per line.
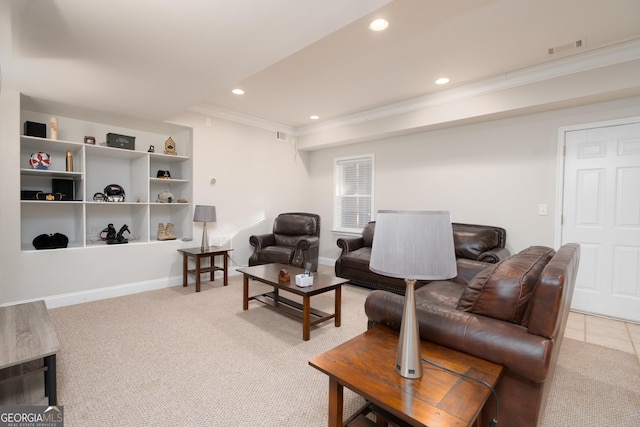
x=601, y=211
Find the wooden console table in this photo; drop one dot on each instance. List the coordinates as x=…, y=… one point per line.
x=198, y=254
x=27, y=334
x=365, y=364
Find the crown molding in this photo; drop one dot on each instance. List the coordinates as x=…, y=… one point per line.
x=617, y=53
x=246, y=119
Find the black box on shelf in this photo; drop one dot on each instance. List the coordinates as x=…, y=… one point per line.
x=35, y=129
x=66, y=187
x=29, y=194
x=121, y=141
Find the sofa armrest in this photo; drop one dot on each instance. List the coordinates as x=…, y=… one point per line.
x=350, y=244
x=504, y=343
x=260, y=241
x=494, y=255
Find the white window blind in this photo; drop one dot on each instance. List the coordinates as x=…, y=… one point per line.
x=353, y=202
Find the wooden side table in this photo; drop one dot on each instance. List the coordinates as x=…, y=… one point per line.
x=198, y=254
x=366, y=365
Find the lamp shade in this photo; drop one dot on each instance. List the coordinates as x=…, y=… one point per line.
x=204, y=213
x=413, y=245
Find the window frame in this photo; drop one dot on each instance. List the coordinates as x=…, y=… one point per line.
x=338, y=162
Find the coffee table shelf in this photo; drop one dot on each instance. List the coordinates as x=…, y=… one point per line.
x=292, y=308
x=322, y=283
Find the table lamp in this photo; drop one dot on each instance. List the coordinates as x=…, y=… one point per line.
x=412, y=245
x=204, y=214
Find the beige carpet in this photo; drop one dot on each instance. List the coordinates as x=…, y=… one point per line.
x=176, y=358
x=594, y=386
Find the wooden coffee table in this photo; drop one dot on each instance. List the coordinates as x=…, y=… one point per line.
x=268, y=274
x=365, y=364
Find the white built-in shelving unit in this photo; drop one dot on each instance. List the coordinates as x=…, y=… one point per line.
x=97, y=166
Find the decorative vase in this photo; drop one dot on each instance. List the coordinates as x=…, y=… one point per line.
x=69, y=161
x=53, y=122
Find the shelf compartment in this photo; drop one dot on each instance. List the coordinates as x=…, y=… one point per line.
x=100, y=215
x=127, y=172
x=179, y=214
x=57, y=151
x=49, y=217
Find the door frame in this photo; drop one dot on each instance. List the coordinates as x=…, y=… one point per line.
x=560, y=165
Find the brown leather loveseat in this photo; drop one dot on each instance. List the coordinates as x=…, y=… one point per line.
x=512, y=313
x=477, y=244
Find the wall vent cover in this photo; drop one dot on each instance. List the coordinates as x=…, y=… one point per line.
x=566, y=47
x=281, y=136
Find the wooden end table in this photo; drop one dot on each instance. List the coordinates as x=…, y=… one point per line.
x=27, y=334
x=198, y=254
x=365, y=364
x=268, y=274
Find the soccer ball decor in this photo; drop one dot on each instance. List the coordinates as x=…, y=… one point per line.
x=40, y=160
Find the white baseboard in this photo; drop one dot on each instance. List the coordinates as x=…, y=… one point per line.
x=72, y=298
x=110, y=292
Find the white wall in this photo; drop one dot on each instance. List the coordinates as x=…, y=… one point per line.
x=257, y=177
x=493, y=173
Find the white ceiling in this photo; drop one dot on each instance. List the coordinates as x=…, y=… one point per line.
x=156, y=58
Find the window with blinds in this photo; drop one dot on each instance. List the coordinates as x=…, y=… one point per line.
x=353, y=201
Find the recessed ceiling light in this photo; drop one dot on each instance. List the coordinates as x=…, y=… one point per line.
x=442, y=81
x=314, y=117
x=379, y=24
x=238, y=91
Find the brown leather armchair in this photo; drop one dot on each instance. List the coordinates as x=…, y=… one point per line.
x=512, y=313
x=295, y=241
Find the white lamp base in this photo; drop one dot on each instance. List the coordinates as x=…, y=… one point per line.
x=409, y=357
x=204, y=246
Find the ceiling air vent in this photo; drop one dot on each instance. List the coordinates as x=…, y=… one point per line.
x=566, y=47
x=281, y=136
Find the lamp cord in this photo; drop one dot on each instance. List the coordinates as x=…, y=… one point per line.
x=494, y=421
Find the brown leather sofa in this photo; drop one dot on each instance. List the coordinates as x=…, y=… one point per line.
x=295, y=241
x=482, y=244
x=512, y=313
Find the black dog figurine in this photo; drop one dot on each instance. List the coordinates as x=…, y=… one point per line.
x=116, y=239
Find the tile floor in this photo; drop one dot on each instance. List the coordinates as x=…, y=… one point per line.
x=616, y=334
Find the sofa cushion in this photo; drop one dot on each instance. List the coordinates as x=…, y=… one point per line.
x=444, y=292
x=470, y=241
x=503, y=290
x=278, y=254
x=357, y=259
